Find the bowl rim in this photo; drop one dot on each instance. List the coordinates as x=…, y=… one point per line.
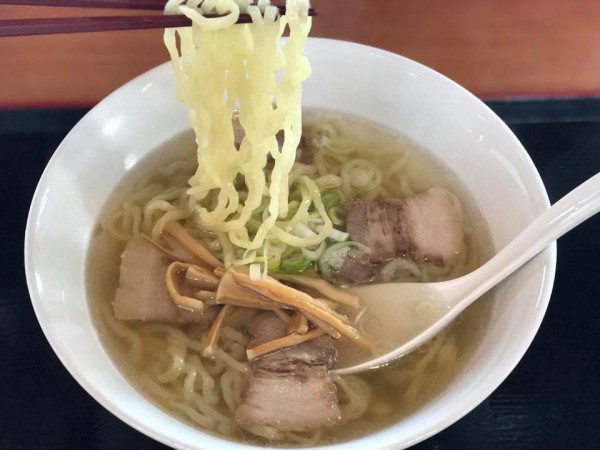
x=544, y=293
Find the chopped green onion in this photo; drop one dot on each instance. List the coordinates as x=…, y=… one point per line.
x=333, y=258
x=274, y=264
x=295, y=263
x=332, y=204
x=314, y=255
x=273, y=260
x=330, y=199
x=315, y=221
x=335, y=215
x=254, y=271
x=339, y=236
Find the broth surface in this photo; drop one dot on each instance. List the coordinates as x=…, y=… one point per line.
x=395, y=391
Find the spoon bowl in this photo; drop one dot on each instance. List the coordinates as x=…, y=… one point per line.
x=394, y=304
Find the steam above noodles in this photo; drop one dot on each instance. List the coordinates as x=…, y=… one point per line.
x=224, y=71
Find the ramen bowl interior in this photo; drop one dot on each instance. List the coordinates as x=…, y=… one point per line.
x=387, y=89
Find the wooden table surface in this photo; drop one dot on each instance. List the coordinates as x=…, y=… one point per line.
x=495, y=48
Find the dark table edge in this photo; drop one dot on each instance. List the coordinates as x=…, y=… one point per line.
x=511, y=110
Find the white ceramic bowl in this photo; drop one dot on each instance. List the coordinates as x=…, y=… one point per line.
x=137, y=118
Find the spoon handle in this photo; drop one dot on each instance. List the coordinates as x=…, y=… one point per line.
x=575, y=207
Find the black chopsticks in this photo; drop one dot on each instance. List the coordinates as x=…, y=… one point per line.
x=29, y=27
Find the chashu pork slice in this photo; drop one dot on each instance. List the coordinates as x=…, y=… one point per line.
x=289, y=389
x=426, y=226
x=290, y=401
x=142, y=293
x=266, y=327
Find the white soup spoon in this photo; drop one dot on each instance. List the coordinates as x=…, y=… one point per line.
x=393, y=305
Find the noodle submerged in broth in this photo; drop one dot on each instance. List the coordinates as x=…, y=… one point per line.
x=165, y=360
x=219, y=270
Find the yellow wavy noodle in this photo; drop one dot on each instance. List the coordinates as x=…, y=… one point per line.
x=251, y=57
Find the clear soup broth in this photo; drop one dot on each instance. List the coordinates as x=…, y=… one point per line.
x=164, y=360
